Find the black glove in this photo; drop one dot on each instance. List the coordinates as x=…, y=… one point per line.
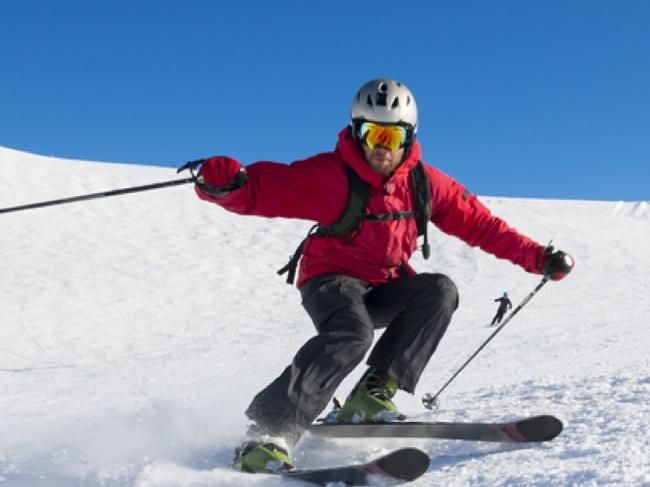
x=557, y=264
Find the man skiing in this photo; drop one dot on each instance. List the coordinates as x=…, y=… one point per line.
x=361, y=281
x=504, y=305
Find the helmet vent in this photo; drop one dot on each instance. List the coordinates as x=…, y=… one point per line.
x=385, y=101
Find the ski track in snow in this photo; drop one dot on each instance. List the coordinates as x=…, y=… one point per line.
x=135, y=329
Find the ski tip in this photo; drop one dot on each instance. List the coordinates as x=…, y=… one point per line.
x=405, y=463
x=540, y=428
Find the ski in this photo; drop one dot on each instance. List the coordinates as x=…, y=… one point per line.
x=399, y=466
x=532, y=429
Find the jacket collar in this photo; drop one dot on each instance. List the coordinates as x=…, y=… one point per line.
x=353, y=156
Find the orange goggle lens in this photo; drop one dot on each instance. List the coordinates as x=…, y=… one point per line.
x=390, y=136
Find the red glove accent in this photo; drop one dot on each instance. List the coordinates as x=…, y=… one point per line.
x=219, y=171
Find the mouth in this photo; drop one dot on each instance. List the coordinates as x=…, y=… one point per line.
x=383, y=161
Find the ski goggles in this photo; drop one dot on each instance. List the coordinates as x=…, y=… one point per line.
x=376, y=135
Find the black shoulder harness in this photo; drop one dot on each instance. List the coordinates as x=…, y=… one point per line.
x=355, y=212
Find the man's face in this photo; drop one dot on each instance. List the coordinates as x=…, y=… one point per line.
x=383, y=160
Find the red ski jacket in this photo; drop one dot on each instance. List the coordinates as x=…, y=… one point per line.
x=316, y=189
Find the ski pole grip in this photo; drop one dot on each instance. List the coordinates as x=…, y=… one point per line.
x=191, y=165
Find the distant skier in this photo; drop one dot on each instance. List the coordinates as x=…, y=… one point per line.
x=504, y=305
x=356, y=278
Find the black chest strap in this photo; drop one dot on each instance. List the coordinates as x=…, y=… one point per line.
x=348, y=222
x=355, y=212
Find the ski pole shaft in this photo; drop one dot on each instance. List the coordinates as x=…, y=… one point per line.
x=430, y=400
x=115, y=192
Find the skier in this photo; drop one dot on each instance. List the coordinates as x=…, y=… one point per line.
x=360, y=282
x=504, y=305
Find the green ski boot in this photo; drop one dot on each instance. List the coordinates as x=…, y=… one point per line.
x=269, y=456
x=370, y=401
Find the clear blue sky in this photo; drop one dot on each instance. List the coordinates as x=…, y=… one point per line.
x=547, y=99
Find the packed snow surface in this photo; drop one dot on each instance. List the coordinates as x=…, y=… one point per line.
x=135, y=329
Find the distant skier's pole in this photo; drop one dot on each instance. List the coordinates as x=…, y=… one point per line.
x=92, y=196
x=429, y=400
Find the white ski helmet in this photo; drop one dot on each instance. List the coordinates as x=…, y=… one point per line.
x=385, y=101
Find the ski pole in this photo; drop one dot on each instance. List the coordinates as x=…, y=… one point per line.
x=192, y=166
x=115, y=192
x=429, y=400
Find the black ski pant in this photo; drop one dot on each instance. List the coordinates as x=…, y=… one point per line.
x=499, y=316
x=415, y=312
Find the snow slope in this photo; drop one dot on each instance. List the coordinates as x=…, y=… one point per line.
x=135, y=329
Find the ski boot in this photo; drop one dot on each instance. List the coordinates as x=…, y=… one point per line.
x=266, y=455
x=370, y=400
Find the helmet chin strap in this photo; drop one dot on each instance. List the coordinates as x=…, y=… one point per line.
x=407, y=150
